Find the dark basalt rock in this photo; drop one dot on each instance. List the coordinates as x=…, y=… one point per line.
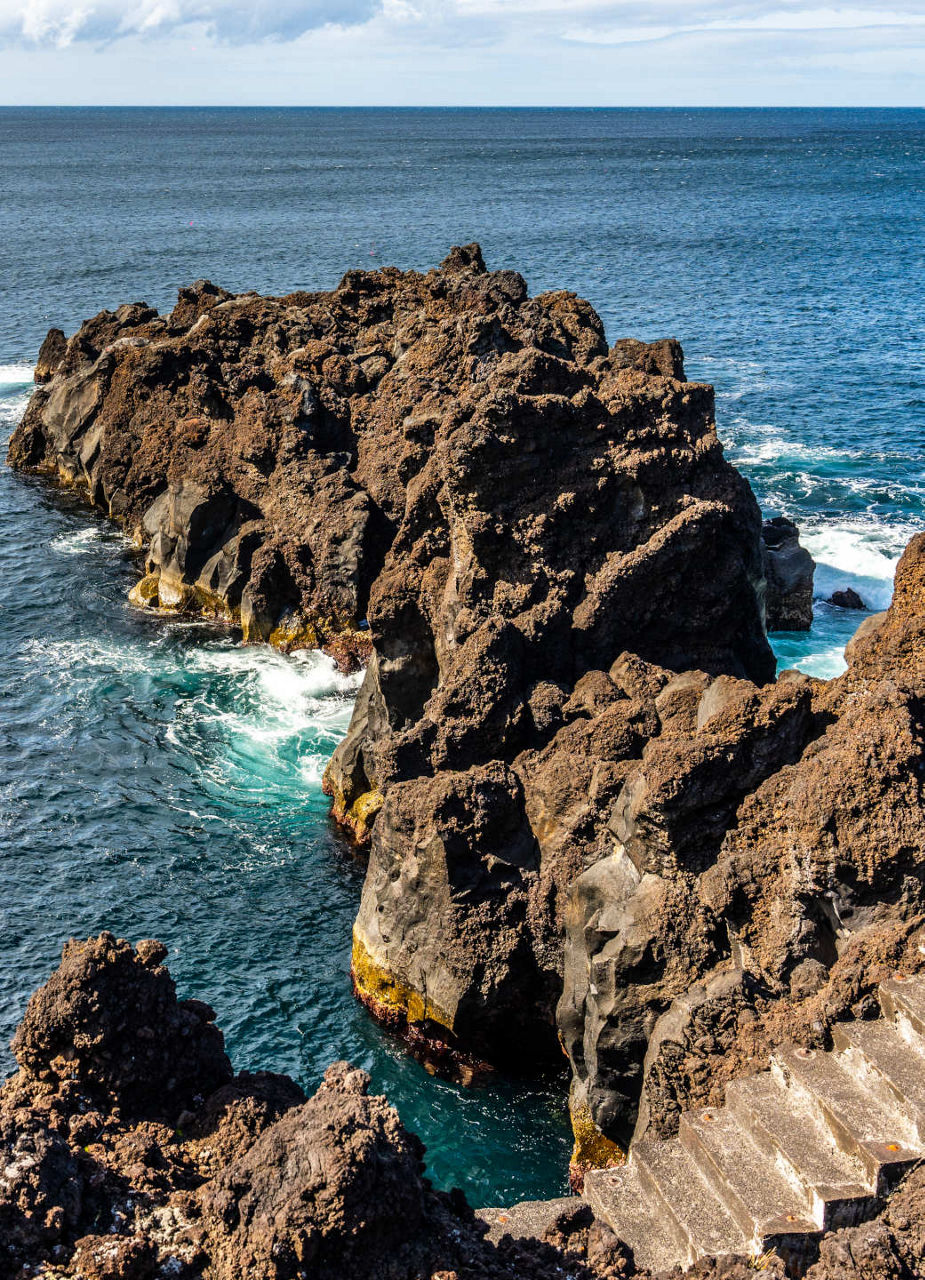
x=51, y=354
x=847, y=598
x=789, y=569
x=109, y=1023
x=256, y=1183
x=334, y=1188
x=575, y=777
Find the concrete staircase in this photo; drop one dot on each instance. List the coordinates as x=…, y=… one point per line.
x=812, y=1144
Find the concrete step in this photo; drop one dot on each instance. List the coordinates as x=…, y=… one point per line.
x=878, y=1050
x=792, y=1137
x=618, y=1197
x=861, y=1121
x=903, y=999
x=527, y=1220
x=673, y=1180
x=765, y=1204
x=810, y=1146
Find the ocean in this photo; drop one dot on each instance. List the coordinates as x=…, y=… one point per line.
x=160, y=780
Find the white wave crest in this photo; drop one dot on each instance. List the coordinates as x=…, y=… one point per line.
x=76, y=661
x=289, y=687
x=277, y=717
x=77, y=542
x=15, y=376
x=824, y=664
x=757, y=443
x=257, y=723
x=856, y=553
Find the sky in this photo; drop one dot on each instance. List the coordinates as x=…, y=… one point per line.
x=463, y=52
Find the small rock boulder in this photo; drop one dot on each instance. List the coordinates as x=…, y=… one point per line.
x=847, y=598
x=109, y=1020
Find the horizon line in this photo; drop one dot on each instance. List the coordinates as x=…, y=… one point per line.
x=452, y=106
x=410, y=106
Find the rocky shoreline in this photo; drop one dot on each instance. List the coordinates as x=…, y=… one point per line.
x=594, y=820
x=131, y=1151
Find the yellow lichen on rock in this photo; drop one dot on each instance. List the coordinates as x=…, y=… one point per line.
x=145, y=594
x=359, y=817
x=356, y=813
x=167, y=595
x=297, y=632
x=386, y=996
x=592, y=1150
x=173, y=594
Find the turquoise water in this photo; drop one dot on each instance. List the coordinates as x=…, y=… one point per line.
x=157, y=779
x=160, y=780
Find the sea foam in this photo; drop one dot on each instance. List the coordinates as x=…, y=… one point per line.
x=856, y=553
x=15, y=377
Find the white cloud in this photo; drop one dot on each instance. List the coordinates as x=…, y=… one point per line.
x=443, y=23
x=776, y=20
x=61, y=22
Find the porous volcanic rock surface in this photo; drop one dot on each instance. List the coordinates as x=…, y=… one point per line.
x=113, y=1171
x=105, y=1177
x=765, y=871
x=469, y=487
x=129, y=1151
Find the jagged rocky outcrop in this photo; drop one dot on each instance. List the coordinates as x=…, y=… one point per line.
x=117, y=1165
x=789, y=570
x=766, y=865
x=130, y=1151
x=509, y=503
x=593, y=817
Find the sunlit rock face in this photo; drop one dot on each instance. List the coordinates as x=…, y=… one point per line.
x=766, y=871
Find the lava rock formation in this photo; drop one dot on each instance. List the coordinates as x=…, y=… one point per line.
x=593, y=817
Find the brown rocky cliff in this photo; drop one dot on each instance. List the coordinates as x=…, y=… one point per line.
x=507, y=502
x=103, y=1179
x=764, y=869
x=130, y=1152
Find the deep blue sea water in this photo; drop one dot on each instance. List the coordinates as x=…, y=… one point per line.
x=159, y=780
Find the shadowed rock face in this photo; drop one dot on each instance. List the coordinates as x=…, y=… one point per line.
x=789, y=570
x=509, y=504
x=269, y=453
x=566, y=757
